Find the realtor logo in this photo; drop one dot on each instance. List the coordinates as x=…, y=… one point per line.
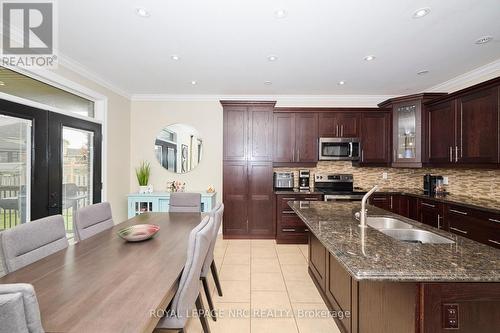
x=28, y=33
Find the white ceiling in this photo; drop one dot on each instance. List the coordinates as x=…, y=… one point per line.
x=224, y=44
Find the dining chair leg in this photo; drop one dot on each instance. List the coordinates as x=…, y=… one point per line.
x=201, y=314
x=215, y=275
x=209, y=297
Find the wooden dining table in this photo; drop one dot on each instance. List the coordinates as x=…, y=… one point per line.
x=105, y=284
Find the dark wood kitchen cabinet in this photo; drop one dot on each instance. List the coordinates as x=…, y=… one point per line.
x=295, y=137
x=248, y=169
x=409, y=116
x=338, y=124
x=432, y=213
x=481, y=226
x=464, y=127
x=375, y=138
x=289, y=227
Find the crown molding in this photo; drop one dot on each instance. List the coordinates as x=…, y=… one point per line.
x=282, y=100
x=82, y=70
x=478, y=75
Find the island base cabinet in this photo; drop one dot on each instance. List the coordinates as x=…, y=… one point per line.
x=366, y=306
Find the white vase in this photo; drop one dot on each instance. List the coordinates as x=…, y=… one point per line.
x=143, y=189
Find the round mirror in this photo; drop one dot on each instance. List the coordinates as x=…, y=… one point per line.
x=179, y=148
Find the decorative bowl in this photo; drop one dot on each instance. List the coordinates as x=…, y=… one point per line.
x=138, y=232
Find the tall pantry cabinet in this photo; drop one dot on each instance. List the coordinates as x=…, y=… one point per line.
x=248, y=170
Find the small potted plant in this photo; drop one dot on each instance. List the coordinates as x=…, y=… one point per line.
x=143, y=172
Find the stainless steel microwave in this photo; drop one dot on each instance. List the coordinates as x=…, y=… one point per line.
x=339, y=149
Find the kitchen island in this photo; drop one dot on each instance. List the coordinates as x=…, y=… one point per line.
x=386, y=285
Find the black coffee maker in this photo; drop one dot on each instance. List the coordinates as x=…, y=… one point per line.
x=430, y=183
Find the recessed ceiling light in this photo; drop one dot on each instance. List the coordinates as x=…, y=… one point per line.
x=421, y=12
x=341, y=83
x=2, y=83
x=174, y=57
x=194, y=83
x=422, y=72
x=483, y=40
x=268, y=82
x=369, y=57
x=142, y=12
x=272, y=58
x=280, y=13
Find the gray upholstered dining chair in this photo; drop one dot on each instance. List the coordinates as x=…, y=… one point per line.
x=209, y=263
x=19, y=310
x=181, y=202
x=188, y=293
x=32, y=241
x=91, y=220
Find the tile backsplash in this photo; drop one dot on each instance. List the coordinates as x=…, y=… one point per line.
x=477, y=183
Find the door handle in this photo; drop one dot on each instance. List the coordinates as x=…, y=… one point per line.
x=342, y=130
x=459, y=230
x=439, y=221
x=293, y=155
x=337, y=130
x=493, y=241
x=456, y=154
x=458, y=212
x=428, y=205
x=493, y=220
x=288, y=230
x=451, y=154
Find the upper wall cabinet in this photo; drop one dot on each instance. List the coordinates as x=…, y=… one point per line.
x=235, y=133
x=375, y=139
x=338, y=124
x=464, y=127
x=408, y=132
x=295, y=137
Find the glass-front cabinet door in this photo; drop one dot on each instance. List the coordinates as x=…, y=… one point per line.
x=407, y=133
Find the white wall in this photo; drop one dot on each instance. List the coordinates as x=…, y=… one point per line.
x=148, y=119
x=118, y=143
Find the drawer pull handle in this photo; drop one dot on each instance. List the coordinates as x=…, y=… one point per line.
x=428, y=205
x=288, y=199
x=379, y=199
x=306, y=230
x=493, y=220
x=459, y=230
x=288, y=230
x=289, y=212
x=311, y=198
x=458, y=212
x=494, y=242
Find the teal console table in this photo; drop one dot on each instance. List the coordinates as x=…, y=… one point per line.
x=159, y=202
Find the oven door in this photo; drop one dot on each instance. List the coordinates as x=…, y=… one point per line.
x=339, y=149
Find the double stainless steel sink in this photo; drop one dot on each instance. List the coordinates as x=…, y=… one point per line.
x=405, y=232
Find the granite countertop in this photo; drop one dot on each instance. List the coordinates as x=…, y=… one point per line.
x=372, y=255
x=462, y=200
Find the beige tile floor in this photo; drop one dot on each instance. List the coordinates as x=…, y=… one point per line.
x=261, y=277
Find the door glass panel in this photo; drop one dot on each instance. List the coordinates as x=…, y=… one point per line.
x=15, y=171
x=77, y=177
x=407, y=123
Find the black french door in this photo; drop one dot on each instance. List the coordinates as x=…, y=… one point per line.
x=49, y=164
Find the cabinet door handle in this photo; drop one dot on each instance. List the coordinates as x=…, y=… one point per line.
x=312, y=199
x=428, y=205
x=342, y=130
x=288, y=199
x=458, y=212
x=391, y=203
x=288, y=230
x=298, y=155
x=493, y=241
x=307, y=230
x=439, y=221
x=459, y=230
x=451, y=154
x=456, y=154
x=362, y=155
x=493, y=220
x=288, y=212
x=293, y=157
x=337, y=130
